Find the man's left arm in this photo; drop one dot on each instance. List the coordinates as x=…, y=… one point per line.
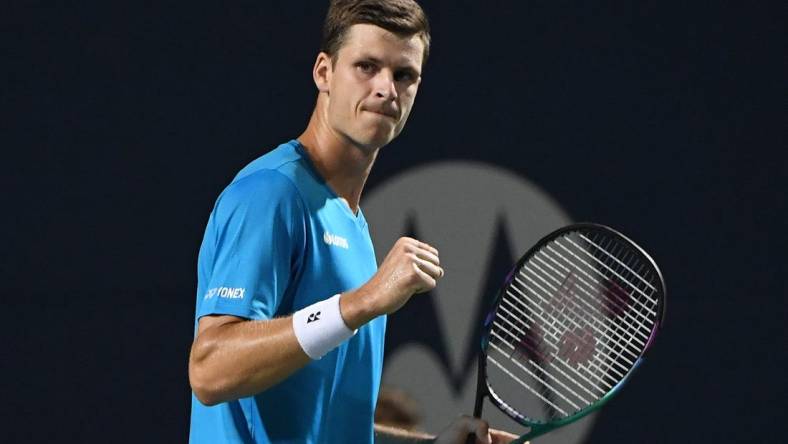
x=393, y=435
x=456, y=433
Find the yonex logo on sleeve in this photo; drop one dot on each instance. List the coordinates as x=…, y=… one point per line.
x=337, y=241
x=313, y=317
x=225, y=292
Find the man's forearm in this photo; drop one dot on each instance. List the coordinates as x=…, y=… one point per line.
x=393, y=435
x=243, y=358
x=240, y=358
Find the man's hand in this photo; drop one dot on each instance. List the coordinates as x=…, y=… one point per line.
x=457, y=432
x=410, y=267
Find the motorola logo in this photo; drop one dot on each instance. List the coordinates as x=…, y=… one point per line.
x=482, y=218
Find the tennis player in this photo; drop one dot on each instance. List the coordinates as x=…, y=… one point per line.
x=291, y=308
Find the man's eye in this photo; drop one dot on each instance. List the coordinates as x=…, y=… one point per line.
x=366, y=68
x=404, y=76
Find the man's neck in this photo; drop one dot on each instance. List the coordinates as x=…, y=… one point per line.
x=344, y=166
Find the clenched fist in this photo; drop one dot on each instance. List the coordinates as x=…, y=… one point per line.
x=410, y=267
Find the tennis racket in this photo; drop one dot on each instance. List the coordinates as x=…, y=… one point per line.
x=569, y=326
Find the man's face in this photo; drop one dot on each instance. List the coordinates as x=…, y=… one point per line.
x=372, y=85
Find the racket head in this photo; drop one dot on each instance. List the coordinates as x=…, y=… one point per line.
x=575, y=315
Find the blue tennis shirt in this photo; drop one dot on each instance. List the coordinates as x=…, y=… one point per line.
x=279, y=239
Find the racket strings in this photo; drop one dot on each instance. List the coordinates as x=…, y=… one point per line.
x=590, y=314
x=548, y=319
x=612, y=299
x=593, y=368
x=543, y=355
x=643, y=297
x=572, y=322
x=569, y=306
x=594, y=391
x=556, y=335
x=597, y=279
x=535, y=350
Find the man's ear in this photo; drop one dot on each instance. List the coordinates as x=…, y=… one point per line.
x=322, y=71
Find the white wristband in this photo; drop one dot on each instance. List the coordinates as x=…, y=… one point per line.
x=320, y=328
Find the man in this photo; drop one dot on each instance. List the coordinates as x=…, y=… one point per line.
x=291, y=311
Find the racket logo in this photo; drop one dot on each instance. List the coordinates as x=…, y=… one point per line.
x=313, y=317
x=531, y=347
x=577, y=348
x=617, y=299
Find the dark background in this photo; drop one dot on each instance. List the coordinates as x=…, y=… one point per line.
x=124, y=121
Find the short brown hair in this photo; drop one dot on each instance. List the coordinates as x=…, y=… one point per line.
x=402, y=17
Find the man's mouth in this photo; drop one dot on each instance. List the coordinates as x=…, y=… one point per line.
x=391, y=115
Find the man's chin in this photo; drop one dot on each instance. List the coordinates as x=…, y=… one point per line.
x=375, y=142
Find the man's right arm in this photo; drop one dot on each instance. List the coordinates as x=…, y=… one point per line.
x=233, y=357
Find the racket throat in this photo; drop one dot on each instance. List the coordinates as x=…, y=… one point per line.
x=481, y=382
x=479, y=406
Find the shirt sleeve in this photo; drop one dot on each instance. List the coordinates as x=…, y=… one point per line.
x=252, y=248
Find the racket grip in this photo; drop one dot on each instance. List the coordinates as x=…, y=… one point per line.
x=476, y=414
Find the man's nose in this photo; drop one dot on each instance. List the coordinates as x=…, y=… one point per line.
x=385, y=86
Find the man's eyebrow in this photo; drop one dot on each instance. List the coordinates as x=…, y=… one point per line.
x=411, y=69
x=407, y=65
x=369, y=58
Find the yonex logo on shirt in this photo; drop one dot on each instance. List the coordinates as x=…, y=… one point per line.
x=225, y=292
x=313, y=317
x=333, y=239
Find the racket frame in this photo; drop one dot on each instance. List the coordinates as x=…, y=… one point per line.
x=483, y=388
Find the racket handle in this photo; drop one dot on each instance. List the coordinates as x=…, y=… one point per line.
x=477, y=413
